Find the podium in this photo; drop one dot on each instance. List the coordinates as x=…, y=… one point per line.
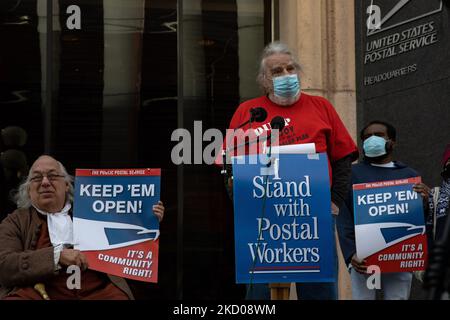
x=283, y=226
x=279, y=291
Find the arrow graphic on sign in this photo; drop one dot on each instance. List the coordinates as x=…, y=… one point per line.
x=395, y=233
x=105, y=235
x=384, y=235
x=116, y=236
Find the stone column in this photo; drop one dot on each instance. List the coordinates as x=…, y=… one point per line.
x=322, y=33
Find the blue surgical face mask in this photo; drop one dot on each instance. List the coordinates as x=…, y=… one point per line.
x=374, y=146
x=286, y=86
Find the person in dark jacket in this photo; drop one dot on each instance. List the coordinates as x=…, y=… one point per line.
x=441, y=205
x=379, y=140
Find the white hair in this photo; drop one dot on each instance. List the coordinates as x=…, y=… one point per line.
x=271, y=49
x=22, y=196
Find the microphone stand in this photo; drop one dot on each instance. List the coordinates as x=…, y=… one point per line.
x=227, y=168
x=275, y=126
x=273, y=290
x=249, y=290
x=225, y=152
x=258, y=114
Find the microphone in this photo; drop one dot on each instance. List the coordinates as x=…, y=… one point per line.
x=277, y=123
x=258, y=114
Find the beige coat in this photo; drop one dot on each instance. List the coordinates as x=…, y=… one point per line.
x=21, y=264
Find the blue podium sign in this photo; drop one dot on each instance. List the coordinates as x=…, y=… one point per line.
x=282, y=219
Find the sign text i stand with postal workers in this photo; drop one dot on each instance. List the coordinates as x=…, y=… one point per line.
x=114, y=223
x=283, y=222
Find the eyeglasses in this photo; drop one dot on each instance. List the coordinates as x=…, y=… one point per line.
x=50, y=176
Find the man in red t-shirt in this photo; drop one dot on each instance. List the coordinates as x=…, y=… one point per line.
x=308, y=119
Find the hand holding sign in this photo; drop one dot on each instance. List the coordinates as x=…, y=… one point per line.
x=359, y=265
x=70, y=257
x=158, y=210
x=422, y=189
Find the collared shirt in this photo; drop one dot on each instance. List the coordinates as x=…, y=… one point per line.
x=60, y=229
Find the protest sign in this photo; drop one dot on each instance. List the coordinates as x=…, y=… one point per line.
x=282, y=220
x=389, y=225
x=114, y=223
